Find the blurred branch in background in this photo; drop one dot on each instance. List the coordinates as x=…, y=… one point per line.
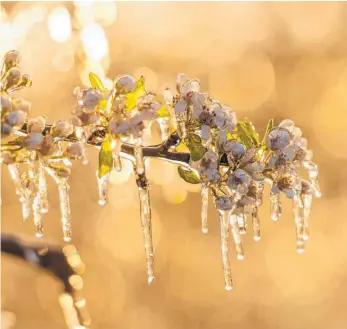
x=65, y=264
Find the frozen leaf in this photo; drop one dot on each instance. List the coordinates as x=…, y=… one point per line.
x=189, y=176
x=194, y=144
x=252, y=132
x=244, y=134
x=163, y=112
x=270, y=125
x=105, y=158
x=96, y=82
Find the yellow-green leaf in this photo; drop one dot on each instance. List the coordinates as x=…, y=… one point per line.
x=163, y=112
x=132, y=97
x=189, y=176
x=244, y=135
x=270, y=125
x=196, y=149
x=105, y=158
x=96, y=82
x=252, y=132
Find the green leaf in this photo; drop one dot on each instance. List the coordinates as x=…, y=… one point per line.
x=132, y=97
x=270, y=125
x=96, y=82
x=252, y=132
x=105, y=158
x=163, y=112
x=189, y=176
x=244, y=134
x=196, y=149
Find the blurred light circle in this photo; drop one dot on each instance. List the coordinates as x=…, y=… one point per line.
x=94, y=41
x=59, y=24
x=246, y=83
x=174, y=193
x=310, y=24
x=105, y=12
x=63, y=60
x=121, y=234
x=161, y=172
x=328, y=117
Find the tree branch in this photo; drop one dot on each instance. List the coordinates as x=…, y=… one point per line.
x=161, y=151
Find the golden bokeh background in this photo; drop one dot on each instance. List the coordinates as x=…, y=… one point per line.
x=266, y=60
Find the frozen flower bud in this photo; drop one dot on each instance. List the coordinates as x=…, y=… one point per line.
x=26, y=81
x=277, y=139
x=16, y=118
x=168, y=96
x=6, y=129
x=182, y=78
x=119, y=104
x=21, y=104
x=118, y=127
x=91, y=99
x=223, y=203
x=7, y=157
x=5, y=103
x=290, y=126
x=11, y=59
x=94, y=118
x=47, y=146
x=217, y=114
x=180, y=107
x=11, y=78
x=61, y=129
x=36, y=125
x=76, y=121
x=237, y=149
x=33, y=141
x=74, y=151
x=125, y=84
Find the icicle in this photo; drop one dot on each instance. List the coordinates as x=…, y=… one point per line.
x=21, y=190
x=224, y=232
x=242, y=222
x=313, y=175
x=146, y=223
x=63, y=186
x=64, y=200
x=19, y=186
x=299, y=224
x=43, y=188
x=236, y=236
x=275, y=206
x=83, y=133
x=73, y=309
x=116, y=148
x=256, y=224
x=139, y=161
x=25, y=209
x=103, y=188
x=204, y=207
x=181, y=125
x=307, y=202
x=164, y=124
x=37, y=213
x=260, y=191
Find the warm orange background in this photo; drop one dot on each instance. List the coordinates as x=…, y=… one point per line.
x=279, y=60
